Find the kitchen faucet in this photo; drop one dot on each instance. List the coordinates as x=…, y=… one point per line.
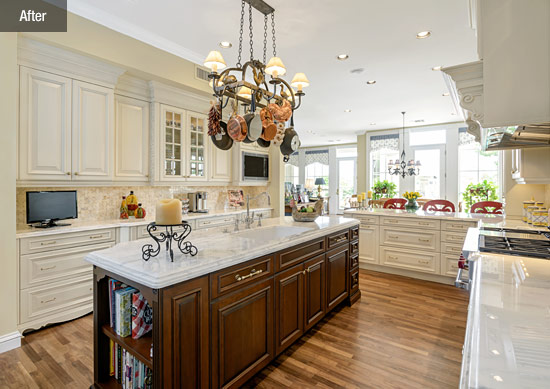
x=249, y=220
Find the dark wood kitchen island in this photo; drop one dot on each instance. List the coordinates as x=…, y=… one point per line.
x=223, y=315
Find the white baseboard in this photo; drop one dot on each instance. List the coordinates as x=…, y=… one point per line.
x=10, y=341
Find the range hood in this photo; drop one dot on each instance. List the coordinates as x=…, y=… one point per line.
x=518, y=137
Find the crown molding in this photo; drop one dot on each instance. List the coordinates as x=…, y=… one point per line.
x=135, y=87
x=42, y=56
x=167, y=94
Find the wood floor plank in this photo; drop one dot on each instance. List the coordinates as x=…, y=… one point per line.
x=403, y=333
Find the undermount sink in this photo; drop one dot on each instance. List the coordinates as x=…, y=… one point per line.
x=269, y=233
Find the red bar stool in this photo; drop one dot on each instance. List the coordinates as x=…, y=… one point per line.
x=438, y=206
x=395, y=204
x=488, y=207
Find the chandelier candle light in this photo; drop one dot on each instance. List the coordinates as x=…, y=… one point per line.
x=247, y=82
x=404, y=168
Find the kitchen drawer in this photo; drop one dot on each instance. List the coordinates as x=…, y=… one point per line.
x=460, y=226
x=297, y=254
x=354, y=233
x=55, y=297
x=453, y=237
x=66, y=240
x=354, y=248
x=451, y=248
x=410, y=238
x=424, y=223
x=337, y=239
x=36, y=269
x=142, y=230
x=449, y=265
x=366, y=219
x=354, y=261
x=235, y=277
x=213, y=222
x=427, y=262
x=353, y=281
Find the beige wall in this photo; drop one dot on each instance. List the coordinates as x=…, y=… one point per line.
x=519, y=193
x=93, y=39
x=8, y=131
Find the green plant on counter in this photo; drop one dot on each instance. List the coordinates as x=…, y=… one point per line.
x=483, y=191
x=384, y=189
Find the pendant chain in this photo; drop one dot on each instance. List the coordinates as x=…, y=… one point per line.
x=241, y=35
x=251, y=34
x=273, y=32
x=265, y=38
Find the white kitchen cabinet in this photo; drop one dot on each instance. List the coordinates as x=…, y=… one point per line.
x=92, y=132
x=368, y=244
x=131, y=139
x=531, y=166
x=44, y=126
x=219, y=167
x=196, y=150
x=172, y=144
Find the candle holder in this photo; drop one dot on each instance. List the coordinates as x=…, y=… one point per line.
x=185, y=247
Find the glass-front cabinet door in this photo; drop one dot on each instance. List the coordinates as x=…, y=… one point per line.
x=196, y=146
x=173, y=143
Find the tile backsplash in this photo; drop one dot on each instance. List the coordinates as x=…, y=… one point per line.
x=103, y=202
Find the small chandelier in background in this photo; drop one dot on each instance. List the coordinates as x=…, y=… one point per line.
x=404, y=168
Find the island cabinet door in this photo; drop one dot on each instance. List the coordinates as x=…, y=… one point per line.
x=315, y=290
x=337, y=276
x=289, y=307
x=185, y=335
x=242, y=334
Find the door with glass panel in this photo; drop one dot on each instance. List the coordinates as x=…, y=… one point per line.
x=347, y=181
x=173, y=166
x=196, y=149
x=430, y=182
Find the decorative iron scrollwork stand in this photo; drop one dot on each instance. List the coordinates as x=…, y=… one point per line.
x=185, y=247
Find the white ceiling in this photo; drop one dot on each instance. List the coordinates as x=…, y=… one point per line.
x=378, y=35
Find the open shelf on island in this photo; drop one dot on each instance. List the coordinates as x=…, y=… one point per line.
x=112, y=383
x=139, y=348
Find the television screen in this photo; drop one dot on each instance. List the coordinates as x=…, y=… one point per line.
x=58, y=205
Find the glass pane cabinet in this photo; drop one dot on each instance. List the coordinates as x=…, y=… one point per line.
x=183, y=148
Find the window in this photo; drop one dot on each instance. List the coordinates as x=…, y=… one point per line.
x=427, y=137
x=317, y=166
x=292, y=174
x=383, y=149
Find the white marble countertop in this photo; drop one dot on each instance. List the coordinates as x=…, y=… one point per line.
x=507, y=341
x=216, y=250
x=26, y=231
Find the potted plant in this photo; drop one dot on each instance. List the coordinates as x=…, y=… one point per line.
x=474, y=193
x=384, y=188
x=411, y=197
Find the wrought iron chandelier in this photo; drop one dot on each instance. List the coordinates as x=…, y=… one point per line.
x=232, y=82
x=404, y=168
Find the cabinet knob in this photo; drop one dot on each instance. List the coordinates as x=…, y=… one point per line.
x=76, y=173
x=68, y=173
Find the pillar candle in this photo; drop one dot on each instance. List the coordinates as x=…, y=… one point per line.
x=168, y=212
x=370, y=194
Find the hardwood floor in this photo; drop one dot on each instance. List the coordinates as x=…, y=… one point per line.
x=403, y=333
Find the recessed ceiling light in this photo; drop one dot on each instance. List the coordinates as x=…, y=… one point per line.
x=423, y=34
x=225, y=45
x=342, y=57
x=436, y=68
x=372, y=124
x=347, y=110
x=370, y=82
x=445, y=94
x=357, y=71
x=419, y=121
x=497, y=378
x=495, y=352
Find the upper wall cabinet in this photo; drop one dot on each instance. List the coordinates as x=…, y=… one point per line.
x=93, y=132
x=220, y=164
x=531, y=166
x=131, y=139
x=44, y=126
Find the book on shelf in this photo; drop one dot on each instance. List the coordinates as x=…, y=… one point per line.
x=130, y=372
x=123, y=311
x=130, y=313
x=113, y=286
x=142, y=316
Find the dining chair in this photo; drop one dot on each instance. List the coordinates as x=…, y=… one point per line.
x=438, y=206
x=395, y=203
x=488, y=207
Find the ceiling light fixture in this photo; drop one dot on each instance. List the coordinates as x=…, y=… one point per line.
x=436, y=68
x=342, y=57
x=423, y=34
x=372, y=124
x=445, y=94
x=347, y=110
x=403, y=168
x=370, y=82
x=225, y=45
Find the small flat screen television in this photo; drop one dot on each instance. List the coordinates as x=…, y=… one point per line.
x=46, y=208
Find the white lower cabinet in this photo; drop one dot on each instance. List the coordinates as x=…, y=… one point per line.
x=410, y=238
x=427, y=262
x=449, y=265
x=368, y=244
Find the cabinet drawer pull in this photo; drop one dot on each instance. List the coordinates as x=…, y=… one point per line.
x=47, y=301
x=205, y=222
x=392, y=257
x=48, y=268
x=457, y=226
x=96, y=236
x=423, y=240
x=341, y=239
x=393, y=236
x=393, y=221
x=47, y=243
x=252, y=273
x=423, y=224
x=423, y=262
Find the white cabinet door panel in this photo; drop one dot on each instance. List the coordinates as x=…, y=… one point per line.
x=92, y=132
x=45, y=126
x=220, y=164
x=368, y=244
x=132, y=139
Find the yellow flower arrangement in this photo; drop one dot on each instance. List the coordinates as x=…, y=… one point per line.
x=411, y=195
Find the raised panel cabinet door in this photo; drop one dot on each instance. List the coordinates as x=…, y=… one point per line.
x=44, y=126
x=92, y=132
x=337, y=276
x=220, y=164
x=197, y=150
x=185, y=335
x=242, y=334
x=131, y=139
x=315, y=291
x=289, y=307
x=368, y=244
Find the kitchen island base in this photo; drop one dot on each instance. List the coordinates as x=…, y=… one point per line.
x=220, y=329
